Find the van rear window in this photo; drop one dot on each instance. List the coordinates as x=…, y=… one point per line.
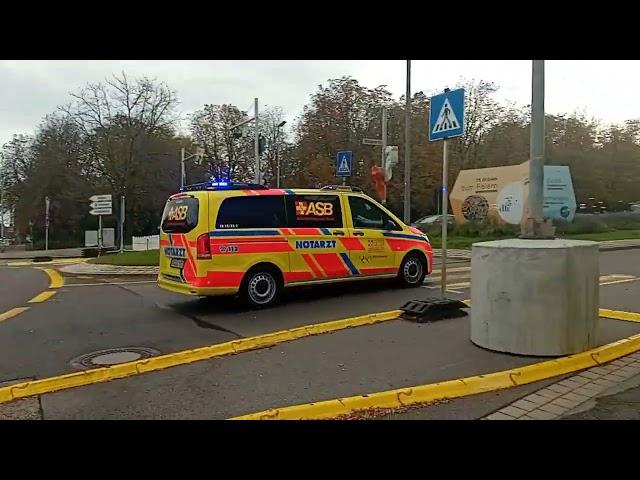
x=180, y=215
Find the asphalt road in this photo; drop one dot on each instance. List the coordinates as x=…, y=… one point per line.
x=19, y=285
x=87, y=315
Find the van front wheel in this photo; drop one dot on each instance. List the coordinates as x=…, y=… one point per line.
x=412, y=270
x=261, y=288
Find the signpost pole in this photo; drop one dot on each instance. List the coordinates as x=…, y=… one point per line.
x=100, y=232
x=122, y=224
x=256, y=143
x=182, y=169
x=384, y=147
x=46, y=224
x=443, y=275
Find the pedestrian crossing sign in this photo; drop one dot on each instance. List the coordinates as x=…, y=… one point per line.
x=446, y=116
x=344, y=163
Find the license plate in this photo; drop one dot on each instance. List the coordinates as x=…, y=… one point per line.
x=177, y=263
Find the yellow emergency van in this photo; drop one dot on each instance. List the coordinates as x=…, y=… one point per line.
x=223, y=238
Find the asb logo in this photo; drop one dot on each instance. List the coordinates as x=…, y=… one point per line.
x=178, y=213
x=315, y=243
x=316, y=209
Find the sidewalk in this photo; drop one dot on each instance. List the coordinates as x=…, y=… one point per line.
x=58, y=253
x=620, y=244
x=607, y=392
x=97, y=269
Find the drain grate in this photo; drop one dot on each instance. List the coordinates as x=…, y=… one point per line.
x=112, y=356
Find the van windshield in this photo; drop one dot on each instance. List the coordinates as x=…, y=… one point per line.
x=180, y=215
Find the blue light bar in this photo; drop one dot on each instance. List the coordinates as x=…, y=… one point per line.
x=216, y=185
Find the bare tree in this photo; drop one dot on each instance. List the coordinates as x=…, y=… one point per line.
x=227, y=152
x=113, y=117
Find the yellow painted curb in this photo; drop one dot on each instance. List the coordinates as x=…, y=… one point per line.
x=620, y=315
x=42, y=296
x=97, y=375
x=461, y=387
x=12, y=313
x=55, y=279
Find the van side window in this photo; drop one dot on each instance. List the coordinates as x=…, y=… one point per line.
x=365, y=214
x=251, y=212
x=180, y=215
x=314, y=211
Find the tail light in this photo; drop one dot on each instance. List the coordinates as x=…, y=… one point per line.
x=204, y=246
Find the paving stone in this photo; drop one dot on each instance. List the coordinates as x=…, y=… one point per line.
x=513, y=411
x=499, y=416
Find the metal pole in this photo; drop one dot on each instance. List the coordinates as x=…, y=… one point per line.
x=122, y=224
x=46, y=223
x=256, y=142
x=443, y=277
x=183, y=173
x=277, y=158
x=100, y=232
x=407, y=148
x=2, y=201
x=384, y=146
x=536, y=163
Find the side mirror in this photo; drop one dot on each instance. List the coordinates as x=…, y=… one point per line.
x=389, y=224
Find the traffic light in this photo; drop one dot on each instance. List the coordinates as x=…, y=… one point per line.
x=262, y=144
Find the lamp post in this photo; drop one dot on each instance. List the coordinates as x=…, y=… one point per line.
x=407, y=148
x=280, y=125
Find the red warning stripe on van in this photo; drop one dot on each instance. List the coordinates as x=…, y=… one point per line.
x=306, y=231
x=401, y=245
x=189, y=271
x=225, y=240
x=298, y=276
x=312, y=265
x=352, y=243
x=332, y=264
x=164, y=243
x=378, y=271
x=219, y=279
x=261, y=247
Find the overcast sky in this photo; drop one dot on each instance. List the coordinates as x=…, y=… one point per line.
x=29, y=90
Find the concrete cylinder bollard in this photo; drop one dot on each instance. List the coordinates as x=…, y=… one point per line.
x=535, y=297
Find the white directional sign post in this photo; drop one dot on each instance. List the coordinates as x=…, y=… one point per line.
x=101, y=205
x=446, y=120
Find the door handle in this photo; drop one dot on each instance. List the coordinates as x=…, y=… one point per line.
x=358, y=234
x=338, y=232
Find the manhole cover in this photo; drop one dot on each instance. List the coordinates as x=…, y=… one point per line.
x=113, y=356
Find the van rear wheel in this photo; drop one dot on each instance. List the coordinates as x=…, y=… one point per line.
x=261, y=287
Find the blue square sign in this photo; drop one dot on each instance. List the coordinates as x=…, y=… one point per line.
x=344, y=163
x=446, y=116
